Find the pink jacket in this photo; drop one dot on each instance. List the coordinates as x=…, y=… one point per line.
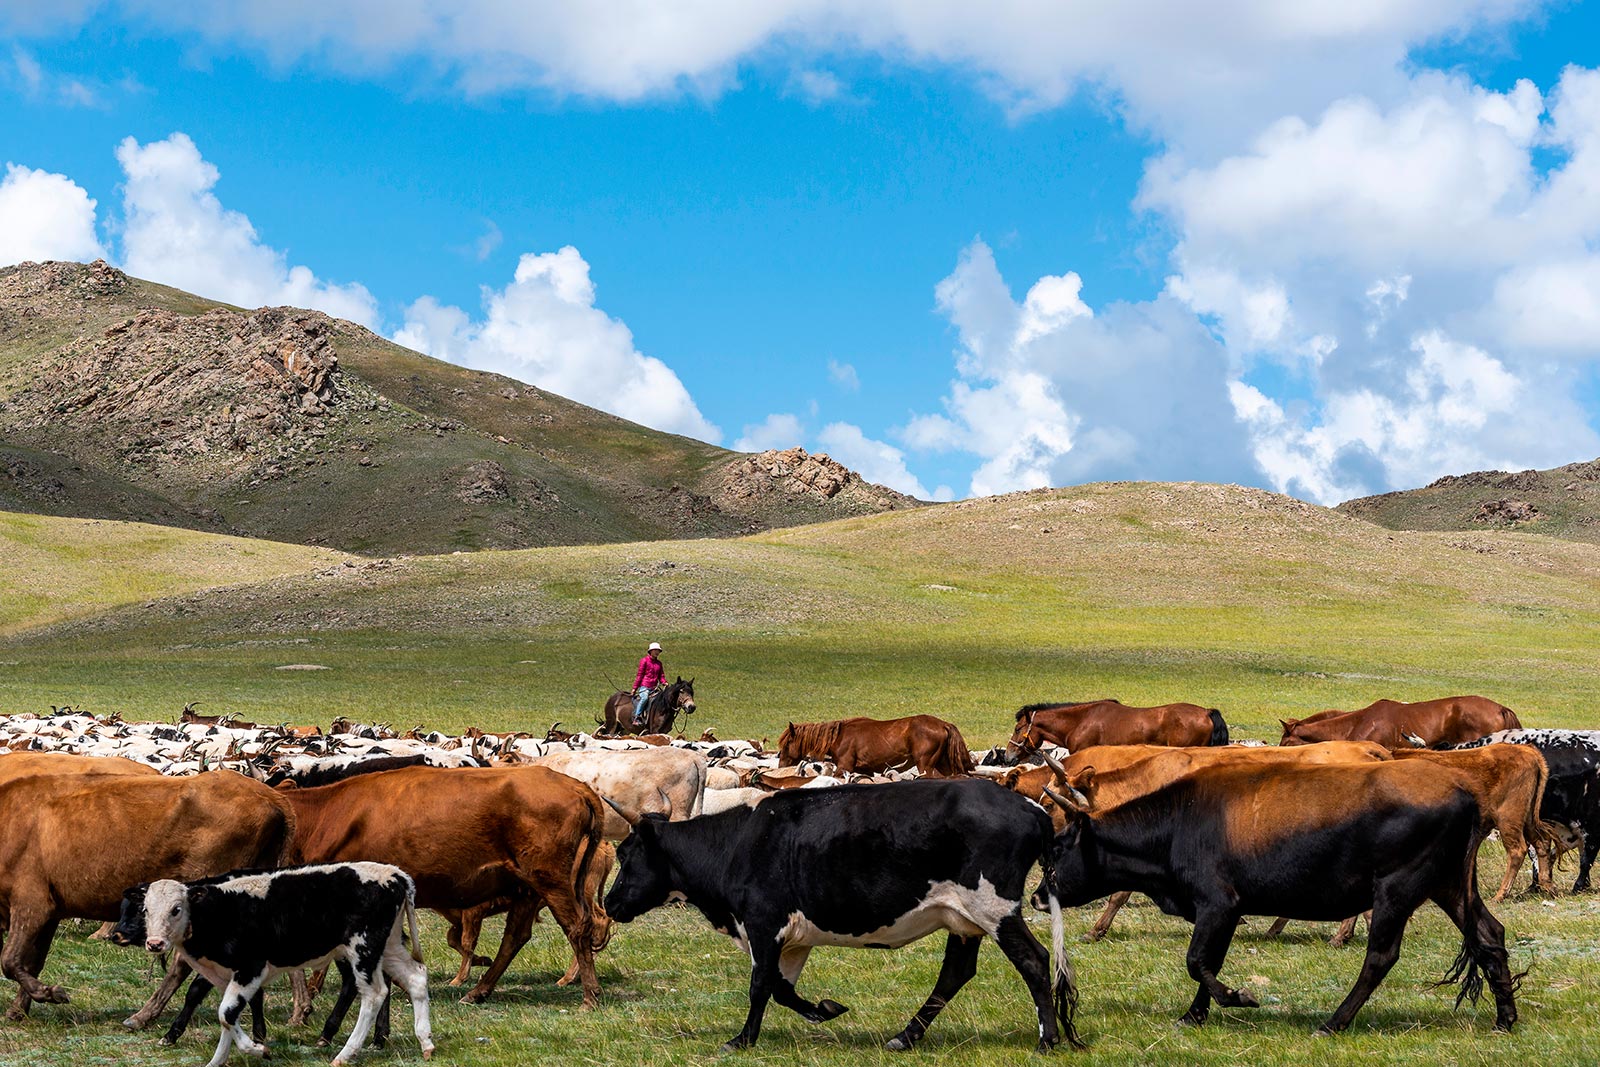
x=649, y=674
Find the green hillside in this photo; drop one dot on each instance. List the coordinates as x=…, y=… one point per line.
x=1561, y=502
x=128, y=400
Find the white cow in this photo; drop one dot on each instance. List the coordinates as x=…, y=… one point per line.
x=665, y=780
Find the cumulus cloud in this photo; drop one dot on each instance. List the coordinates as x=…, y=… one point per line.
x=876, y=461
x=775, y=431
x=45, y=216
x=176, y=231
x=1171, y=63
x=1049, y=392
x=545, y=329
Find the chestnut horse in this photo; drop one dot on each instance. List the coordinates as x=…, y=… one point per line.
x=1394, y=724
x=868, y=746
x=1110, y=722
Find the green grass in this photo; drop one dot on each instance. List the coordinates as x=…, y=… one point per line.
x=1257, y=605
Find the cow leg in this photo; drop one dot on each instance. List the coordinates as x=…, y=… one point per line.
x=1384, y=932
x=234, y=998
x=412, y=977
x=1516, y=845
x=23, y=958
x=177, y=971
x=764, y=974
x=1347, y=929
x=341, y=1004
x=519, y=928
x=1483, y=945
x=1591, y=844
x=1277, y=927
x=790, y=962
x=191, y=1002
x=960, y=964
x=1033, y=963
x=371, y=987
x=303, y=995
x=1208, y=948
x=1102, y=925
x=580, y=930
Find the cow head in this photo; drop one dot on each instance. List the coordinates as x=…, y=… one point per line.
x=166, y=914
x=130, y=919
x=645, y=878
x=1075, y=857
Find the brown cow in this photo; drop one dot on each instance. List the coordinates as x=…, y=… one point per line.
x=1396, y=725
x=17, y=764
x=1110, y=722
x=467, y=836
x=1125, y=772
x=70, y=844
x=466, y=925
x=871, y=746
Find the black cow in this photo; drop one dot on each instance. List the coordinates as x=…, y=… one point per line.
x=874, y=866
x=130, y=931
x=1572, y=792
x=240, y=931
x=1304, y=842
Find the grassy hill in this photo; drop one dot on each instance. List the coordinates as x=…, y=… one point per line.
x=1254, y=603
x=1247, y=601
x=1561, y=502
x=124, y=399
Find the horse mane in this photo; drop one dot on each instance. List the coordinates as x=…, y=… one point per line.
x=816, y=739
x=1028, y=709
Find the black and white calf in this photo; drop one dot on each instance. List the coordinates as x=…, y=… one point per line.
x=871, y=866
x=240, y=931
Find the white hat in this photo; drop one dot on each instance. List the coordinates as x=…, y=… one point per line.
x=655, y=646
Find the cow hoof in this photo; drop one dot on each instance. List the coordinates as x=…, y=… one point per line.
x=829, y=1009
x=475, y=997
x=323, y=1042
x=1094, y=935
x=133, y=1022
x=899, y=1043
x=1189, y=1019
x=736, y=1044
x=54, y=994
x=15, y=1016
x=1323, y=1031
x=1243, y=998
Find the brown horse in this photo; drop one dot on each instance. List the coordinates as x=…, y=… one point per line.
x=1110, y=722
x=868, y=746
x=1394, y=724
x=659, y=714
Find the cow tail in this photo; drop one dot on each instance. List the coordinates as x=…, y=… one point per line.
x=1536, y=830
x=1219, y=729
x=411, y=919
x=1064, y=984
x=586, y=853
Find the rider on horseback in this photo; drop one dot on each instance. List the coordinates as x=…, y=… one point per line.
x=649, y=675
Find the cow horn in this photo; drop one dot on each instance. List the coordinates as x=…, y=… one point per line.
x=1078, y=801
x=1054, y=764
x=630, y=818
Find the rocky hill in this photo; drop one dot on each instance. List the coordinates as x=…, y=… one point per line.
x=124, y=399
x=1562, y=502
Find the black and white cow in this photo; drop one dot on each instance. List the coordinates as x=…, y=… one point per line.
x=1572, y=792
x=241, y=931
x=871, y=866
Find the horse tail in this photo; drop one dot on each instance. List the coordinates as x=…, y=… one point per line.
x=958, y=758
x=1219, y=729
x=1508, y=719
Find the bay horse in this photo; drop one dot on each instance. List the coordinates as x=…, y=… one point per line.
x=1396, y=724
x=659, y=714
x=1089, y=723
x=869, y=746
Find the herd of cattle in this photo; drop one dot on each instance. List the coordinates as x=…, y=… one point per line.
x=246, y=851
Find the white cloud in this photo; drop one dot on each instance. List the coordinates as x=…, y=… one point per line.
x=45, y=216
x=876, y=461
x=775, y=431
x=1049, y=392
x=816, y=87
x=1171, y=63
x=176, y=231
x=844, y=376
x=544, y=328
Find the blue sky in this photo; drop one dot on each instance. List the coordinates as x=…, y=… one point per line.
x=827, y=228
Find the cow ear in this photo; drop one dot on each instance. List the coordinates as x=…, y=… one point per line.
x=1083, y=781
x=200, y=894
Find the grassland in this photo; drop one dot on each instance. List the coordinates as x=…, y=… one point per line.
x=1252, y=603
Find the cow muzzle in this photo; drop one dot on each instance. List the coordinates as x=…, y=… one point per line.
x=155, y=944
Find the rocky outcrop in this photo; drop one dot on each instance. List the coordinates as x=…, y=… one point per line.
x=167, y=391
x=1505, y=512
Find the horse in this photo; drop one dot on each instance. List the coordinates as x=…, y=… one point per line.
x=659, y=713
x=1394, y=724
x=870, y=746
x=1110, y=722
